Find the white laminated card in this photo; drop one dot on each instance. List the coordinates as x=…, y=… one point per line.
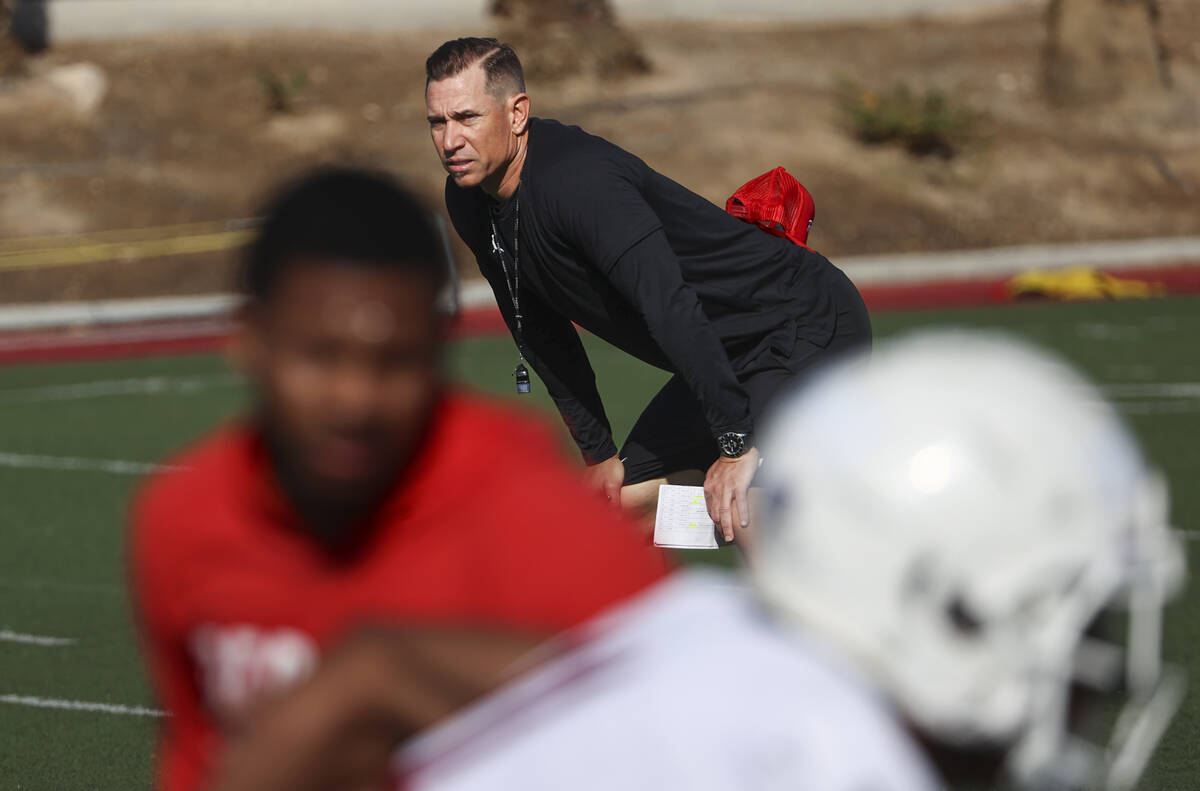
x=682, y=521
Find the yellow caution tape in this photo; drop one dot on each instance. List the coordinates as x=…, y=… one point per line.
x=125, y=245
x=123, y=234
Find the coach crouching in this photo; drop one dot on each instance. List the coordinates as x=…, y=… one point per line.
x=569, y=228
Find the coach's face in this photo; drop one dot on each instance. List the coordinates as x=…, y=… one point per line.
x=346, y=362
x=476, y=134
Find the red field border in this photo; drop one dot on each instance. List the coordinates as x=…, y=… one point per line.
x=128, y=328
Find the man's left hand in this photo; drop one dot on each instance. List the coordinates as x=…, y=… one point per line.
x=727, y=491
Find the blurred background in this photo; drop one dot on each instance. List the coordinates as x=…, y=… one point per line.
x=919, y=125
x=961, y=153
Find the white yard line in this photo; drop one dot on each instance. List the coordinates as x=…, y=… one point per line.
x=9, y=636
x=1154, y=398
x=149, y=385
x=1160, y=407
x=73, y=587
x=80, y=705
x=116, y=466
x=1153, y=390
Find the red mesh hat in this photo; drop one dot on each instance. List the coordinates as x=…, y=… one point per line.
x=777, y=203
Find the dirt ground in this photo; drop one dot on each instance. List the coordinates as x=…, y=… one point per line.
x=185, y=134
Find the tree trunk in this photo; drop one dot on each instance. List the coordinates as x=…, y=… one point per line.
x=1102, y=50
x=11, y=53
x=24, y=31
x=557, y=38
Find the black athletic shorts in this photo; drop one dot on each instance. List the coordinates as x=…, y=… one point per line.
x=672, y=435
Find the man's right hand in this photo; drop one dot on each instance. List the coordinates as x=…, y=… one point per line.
x=607, y=477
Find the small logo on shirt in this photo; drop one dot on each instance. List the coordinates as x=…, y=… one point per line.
x=239, y=664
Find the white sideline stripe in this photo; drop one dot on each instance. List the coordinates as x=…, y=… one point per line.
x=875, y=270
x=116, y=466
x=8, y=636
x=150, y=385
x=1189, y=535
x=1154, y=390
x=59, y=314
x=999, y=261
x=476, y=294
x=80, y=705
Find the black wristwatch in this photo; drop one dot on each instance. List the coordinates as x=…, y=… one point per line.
x=733, y=444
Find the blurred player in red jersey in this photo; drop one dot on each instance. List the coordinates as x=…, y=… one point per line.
x=362, y=510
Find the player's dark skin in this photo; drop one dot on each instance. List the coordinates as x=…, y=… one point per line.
x=345, y=363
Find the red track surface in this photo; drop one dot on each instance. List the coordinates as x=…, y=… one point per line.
x=207, y=335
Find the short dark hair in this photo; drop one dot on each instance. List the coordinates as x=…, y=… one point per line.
x=500, y=64
x=340, y=214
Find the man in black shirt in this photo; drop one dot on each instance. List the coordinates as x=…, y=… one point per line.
x=569, y=228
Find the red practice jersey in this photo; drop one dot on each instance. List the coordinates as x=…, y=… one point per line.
x=487, y=526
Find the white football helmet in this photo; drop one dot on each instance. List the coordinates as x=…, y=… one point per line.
x=952, y=515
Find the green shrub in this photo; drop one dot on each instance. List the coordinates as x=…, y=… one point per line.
x=281, y=91
x=924, y=123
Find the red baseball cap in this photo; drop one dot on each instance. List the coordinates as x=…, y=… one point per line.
x=777, y=203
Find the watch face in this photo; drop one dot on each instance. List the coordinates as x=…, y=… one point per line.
x=732, y=443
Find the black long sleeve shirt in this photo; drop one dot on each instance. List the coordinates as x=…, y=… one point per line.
x=650, y=267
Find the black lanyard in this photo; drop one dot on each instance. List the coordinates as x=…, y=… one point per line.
x=513, y=282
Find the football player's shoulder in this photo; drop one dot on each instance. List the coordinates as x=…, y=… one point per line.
x=192, y=480
x=862, y=743
x=804, y=711
x=511, y=451
x=493, y=428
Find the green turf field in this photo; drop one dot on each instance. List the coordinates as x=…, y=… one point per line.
x=68, y=434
